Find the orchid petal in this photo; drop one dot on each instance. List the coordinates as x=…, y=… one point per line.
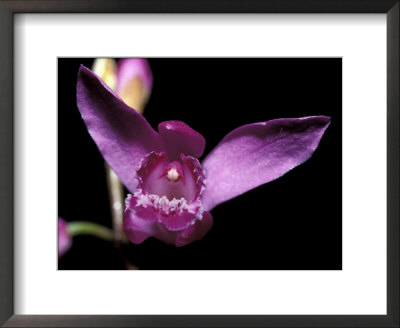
x=254, y=154
x=196, y=231
x=138, y=229
x=195, y=176
x=122, y=135
x=181, y=138
x=174, y=214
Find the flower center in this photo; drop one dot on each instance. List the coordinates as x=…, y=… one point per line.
x=173, y=175
x=165, y=180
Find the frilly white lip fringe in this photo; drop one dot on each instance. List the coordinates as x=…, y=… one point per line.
x=172, y=192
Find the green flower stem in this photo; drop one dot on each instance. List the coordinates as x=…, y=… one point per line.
x=116, y=197
x=93, y=229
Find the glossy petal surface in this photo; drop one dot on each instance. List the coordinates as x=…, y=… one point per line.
x=181, y=138
x=254, y=154
x=122, y=135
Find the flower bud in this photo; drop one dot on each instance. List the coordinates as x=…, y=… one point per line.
x=134, y=82
x=64, y=238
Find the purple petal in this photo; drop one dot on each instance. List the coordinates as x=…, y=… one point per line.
x=196, y=231
x=64, y=239
x=138, y=230
x=130, y=68
x=122, y=135
x=195, y=177
x=181, y=138
x=254, y=154
x=174, y=215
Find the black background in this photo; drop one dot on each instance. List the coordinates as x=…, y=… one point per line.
x=292, y=223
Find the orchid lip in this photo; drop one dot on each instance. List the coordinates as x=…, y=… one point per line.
x=177, y=179
x=168, y=193
x=162, y=203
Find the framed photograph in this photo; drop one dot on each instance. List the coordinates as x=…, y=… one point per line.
x=199, y=165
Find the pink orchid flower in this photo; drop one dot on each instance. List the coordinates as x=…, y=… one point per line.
x=64, y=238
x=172, y=192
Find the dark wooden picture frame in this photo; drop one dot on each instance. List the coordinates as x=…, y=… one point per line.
x=10, y=7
